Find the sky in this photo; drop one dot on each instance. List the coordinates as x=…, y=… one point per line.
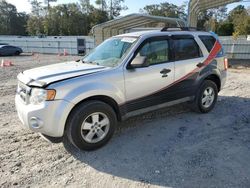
x=24, y=5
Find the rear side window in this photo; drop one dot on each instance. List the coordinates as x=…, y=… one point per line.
x=186, y=48
x=208, y=41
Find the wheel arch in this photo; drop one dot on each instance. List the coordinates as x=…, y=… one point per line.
x=103, y=98
x=216, y=79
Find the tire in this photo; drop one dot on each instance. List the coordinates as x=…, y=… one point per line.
x=53, y=140
x=201, y=104
x=17, y=53
x=90, y=125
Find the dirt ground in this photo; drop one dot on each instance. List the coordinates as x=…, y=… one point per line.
x=172, y=147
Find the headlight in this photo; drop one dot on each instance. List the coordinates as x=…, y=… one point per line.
x=38, y=95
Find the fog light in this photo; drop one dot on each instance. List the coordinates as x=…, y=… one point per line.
x=36, y=123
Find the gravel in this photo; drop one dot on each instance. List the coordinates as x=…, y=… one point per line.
x=172, y=147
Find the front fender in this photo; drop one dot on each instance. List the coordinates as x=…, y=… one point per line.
x=78, y=94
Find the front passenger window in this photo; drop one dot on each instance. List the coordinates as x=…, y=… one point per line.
x=155, y=51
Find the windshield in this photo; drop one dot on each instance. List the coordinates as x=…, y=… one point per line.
x=111, y=52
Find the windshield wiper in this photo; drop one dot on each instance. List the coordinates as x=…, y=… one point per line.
x=88, y=62
x=78, y=60
x=92, y=62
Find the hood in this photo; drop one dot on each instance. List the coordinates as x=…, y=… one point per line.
x=45, y=75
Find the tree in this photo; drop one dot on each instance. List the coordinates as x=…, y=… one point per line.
x=236, y=23
x=36, y=18
x=112, y=7
x=86, y=6
x=66, y=19
x=98, y=16
x=209, y=19
x=165, y=9
x=240, y=18
x=36, y=8
x=116, y=7
x=242, y=23
x=102, y=4
x=11, y=22
x=225, y=28
x=47, y=2
x=236, y=11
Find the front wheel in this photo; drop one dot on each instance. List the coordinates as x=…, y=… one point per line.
x=206, y=97
x=91, y=125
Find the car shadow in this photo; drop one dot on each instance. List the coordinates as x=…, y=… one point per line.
x=179, y=148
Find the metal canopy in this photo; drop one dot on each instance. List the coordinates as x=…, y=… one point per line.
x=196, y=6
x=123, y=24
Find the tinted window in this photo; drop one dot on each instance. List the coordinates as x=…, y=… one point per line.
x=9, y=47
x=186, y=49
x=155, y=51
x=208, y=41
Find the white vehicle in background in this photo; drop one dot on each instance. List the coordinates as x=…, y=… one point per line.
x=126, y=75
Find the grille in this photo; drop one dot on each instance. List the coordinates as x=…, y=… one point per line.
x=24, y=92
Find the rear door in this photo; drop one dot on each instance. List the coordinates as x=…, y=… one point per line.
x=145, y=85
x=187, y=58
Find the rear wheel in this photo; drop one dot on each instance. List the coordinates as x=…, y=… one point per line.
x=206, y=97
x=90, y=125
x=17, y=53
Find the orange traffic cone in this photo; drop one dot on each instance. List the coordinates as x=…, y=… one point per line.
x=6, y=63
x=2, y=63
x=65, y=53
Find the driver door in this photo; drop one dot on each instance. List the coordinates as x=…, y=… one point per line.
x=145, y=86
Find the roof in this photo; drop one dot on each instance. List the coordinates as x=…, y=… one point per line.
x=199, y=5
x=196, y=6
x=159, y=33
x=137, y=19
x=138, y=34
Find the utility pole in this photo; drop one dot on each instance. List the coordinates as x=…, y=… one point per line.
x=111, y=9
x=48, y=3
x=48, y=7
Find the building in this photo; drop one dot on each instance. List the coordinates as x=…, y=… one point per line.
x=197, y=6
x=128, y=23
x=73, y=45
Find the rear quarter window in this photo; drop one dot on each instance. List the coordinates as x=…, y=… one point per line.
x=208, y=41
x=186, y=48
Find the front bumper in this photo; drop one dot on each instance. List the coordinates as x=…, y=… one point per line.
x=48, y=118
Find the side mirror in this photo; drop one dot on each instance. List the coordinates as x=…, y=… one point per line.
x=139, y=61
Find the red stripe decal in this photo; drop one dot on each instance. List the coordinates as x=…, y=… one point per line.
x=215, y=50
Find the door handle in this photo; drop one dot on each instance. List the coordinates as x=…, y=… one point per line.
x=200, y=65
x=165, y=72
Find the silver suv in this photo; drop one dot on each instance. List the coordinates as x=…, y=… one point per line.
x=126, y=75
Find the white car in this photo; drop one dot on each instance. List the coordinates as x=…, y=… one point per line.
x=126, y=75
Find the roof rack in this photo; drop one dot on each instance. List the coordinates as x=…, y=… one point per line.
x=180, y=29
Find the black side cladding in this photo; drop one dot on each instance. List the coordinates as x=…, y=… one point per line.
x=179, y=90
